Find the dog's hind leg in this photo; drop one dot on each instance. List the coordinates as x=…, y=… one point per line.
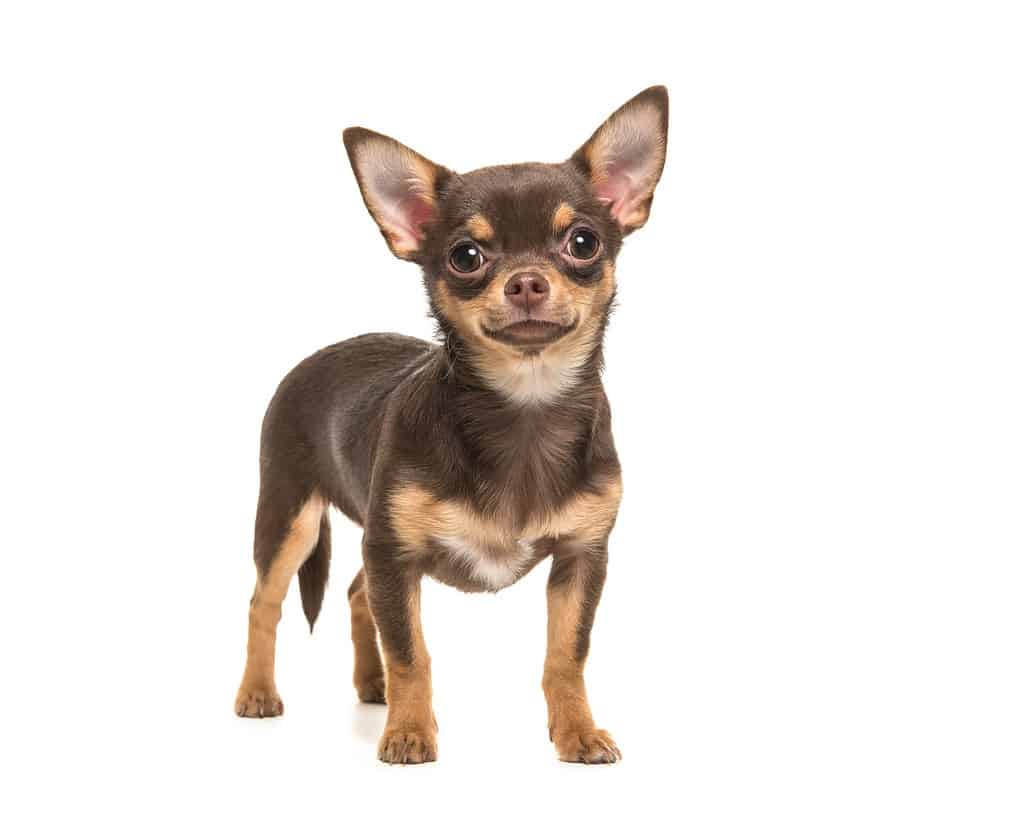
x=288, y=524
x=369, y=667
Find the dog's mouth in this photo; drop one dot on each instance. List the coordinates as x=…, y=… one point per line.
x=531, y=332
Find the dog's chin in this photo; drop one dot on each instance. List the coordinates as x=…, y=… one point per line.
x=532, y=335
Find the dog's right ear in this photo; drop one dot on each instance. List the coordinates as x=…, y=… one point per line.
x=398, y=186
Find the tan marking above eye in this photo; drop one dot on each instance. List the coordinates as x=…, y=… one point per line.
x=480, y=228
x=564, y=215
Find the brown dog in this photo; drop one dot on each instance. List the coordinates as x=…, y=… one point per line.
x=475, y=459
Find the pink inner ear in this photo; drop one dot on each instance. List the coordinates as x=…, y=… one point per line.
x=417, y=212
x=617, y=191
x=626, y=158
x=401, y=208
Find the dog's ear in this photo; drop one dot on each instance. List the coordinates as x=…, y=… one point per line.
x=398, y=186
x=625, y=156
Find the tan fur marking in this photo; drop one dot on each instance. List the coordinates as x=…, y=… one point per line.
x=410, y=735
x=416, y=516
x=570, y=722
x=588, y=517
x=563, y=217
x=479, y=228
x=257, y=695
x=419, y=518
x=564, y=605
x=368, y=674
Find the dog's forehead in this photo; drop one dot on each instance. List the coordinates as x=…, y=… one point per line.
x=517, y=201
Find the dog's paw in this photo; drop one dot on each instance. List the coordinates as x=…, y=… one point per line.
x=258, y=702
x=407, y=747
x=592, y=746
x=371, y=690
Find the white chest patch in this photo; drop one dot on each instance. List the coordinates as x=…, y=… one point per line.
x=495, y=569
x=539, y=379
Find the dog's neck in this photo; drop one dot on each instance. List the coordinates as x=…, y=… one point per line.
x=525, y=385
x=520, y=456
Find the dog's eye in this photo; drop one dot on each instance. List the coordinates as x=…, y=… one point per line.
x=465, y=258
x=583, y=243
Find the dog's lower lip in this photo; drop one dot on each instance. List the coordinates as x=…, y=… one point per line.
x=530, y=331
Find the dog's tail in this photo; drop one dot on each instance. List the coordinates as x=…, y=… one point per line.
x=312, y=576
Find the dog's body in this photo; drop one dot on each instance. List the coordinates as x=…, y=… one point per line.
x=473, y=460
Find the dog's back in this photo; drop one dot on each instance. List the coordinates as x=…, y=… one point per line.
x=323, y=422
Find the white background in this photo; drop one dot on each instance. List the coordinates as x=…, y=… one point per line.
x=814, y=605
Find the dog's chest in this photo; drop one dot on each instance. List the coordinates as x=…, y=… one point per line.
x=486, y=552
x=490, y=565
x=470, y=549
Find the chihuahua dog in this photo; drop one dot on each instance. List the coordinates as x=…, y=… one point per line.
x=474, y=459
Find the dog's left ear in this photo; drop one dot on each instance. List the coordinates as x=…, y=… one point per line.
x=625, y=156
x=398, y=186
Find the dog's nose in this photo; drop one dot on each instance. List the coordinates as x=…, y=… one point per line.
x=527, y=290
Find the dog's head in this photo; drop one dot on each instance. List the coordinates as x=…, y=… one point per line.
x=519, y=260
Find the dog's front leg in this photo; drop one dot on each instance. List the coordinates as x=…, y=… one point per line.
x=573, y=591
x=410, y=735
